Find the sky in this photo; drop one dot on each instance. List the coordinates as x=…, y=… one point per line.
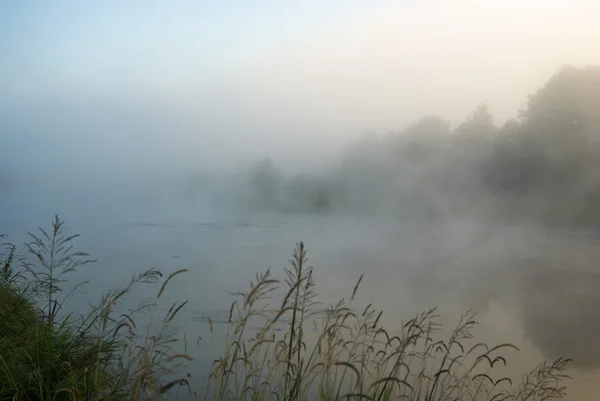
x=249, y=77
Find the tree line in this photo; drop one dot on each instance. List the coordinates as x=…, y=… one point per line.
x=542, y=165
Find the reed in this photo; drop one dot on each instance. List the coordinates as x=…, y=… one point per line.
x=47, y=354
x=352, y=356
x=300, y=351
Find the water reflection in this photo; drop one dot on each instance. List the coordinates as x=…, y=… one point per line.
x=560, y=310
x=539, y=290
x=550, y=284
x=558, y=306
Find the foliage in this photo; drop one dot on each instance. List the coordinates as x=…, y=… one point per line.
x=544, y=166
x=46, y=354
x=270, y=190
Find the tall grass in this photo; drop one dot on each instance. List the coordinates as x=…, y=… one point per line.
x=301, y=350
x=353, y=357
x=46, y=354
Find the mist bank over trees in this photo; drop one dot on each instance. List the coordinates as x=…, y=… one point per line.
x=543, y=165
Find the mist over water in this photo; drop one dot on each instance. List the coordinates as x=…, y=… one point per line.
x=375, y=136
x=533, y=286
x=532, y=283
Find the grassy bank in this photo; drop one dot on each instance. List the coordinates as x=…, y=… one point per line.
x=302, y=350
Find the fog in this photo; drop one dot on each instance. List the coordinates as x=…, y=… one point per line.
x=448, y=151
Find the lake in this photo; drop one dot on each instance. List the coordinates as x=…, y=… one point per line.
x=535, y=288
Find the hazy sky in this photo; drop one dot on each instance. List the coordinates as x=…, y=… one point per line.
x=286, y=72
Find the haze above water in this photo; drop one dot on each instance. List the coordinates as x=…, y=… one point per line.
x=215, y=137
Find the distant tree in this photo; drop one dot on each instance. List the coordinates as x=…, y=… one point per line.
x=546, y=163
x=511, y=130
x=264, y=184
x=308, y=194
x=515, y=164
x=565, y=113
x=431, y=127
x=425, y=137
x=365, y=165
x=554, y=152
x=479, y=125
x=471, y=147
x=468, y=151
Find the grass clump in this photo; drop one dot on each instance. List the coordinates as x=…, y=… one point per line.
x=351, y=356
x=46, y=354
x=300, y=350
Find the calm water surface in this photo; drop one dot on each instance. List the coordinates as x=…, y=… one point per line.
x=538, y=289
